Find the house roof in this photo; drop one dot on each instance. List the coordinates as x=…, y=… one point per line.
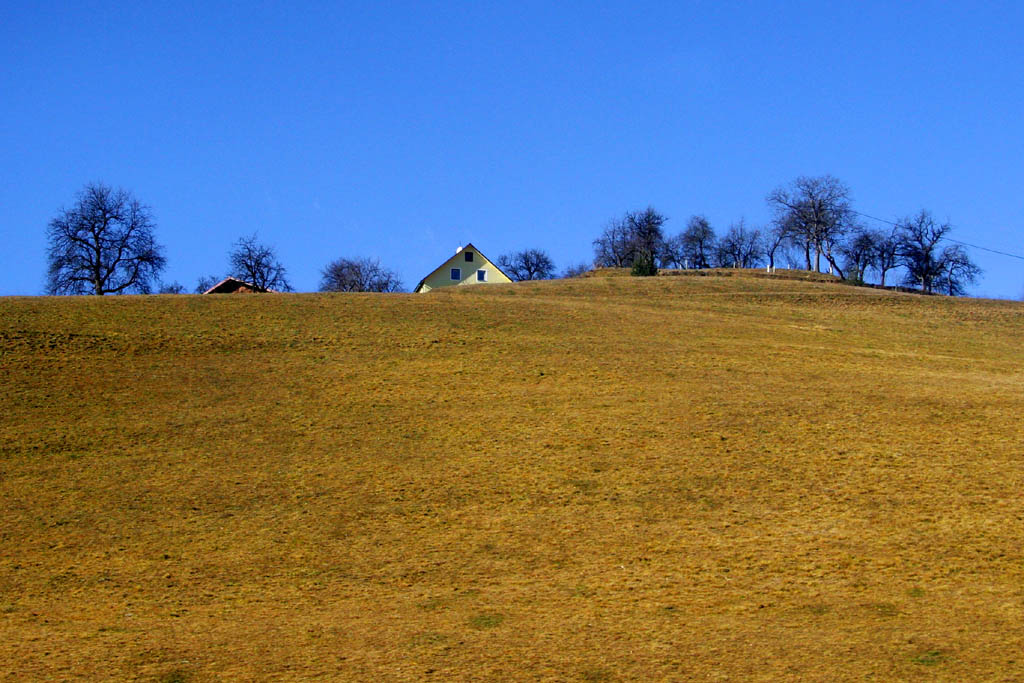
x=469, y=245
x=233, y=284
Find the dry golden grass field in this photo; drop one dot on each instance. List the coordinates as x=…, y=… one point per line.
x=607, y=478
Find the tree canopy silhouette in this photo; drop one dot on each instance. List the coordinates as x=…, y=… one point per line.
x=104, y=244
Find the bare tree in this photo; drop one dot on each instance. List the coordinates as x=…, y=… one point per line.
x=529, y=264
x=576, y=270
x=816, y=212
x=859, y=253
x=887, y=253
x=205, y=282
x=696, y=244
x=614, y=248
x=776, y=238
x=740, y=247
x=171, y=288
x=648, y=234
x=958, y=270
x=919, y=250
x=636, y=236
x=672, y=252
x=832, y=248
x=929, y=266
x=358, y=275
x=104, y=244
x=257, y=264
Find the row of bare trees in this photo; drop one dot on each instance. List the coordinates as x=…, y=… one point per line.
x=814, y=227
x=105, y=244
x=254, y=262
x=536, y=264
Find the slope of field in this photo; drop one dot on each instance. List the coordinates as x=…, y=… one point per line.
x=594, y=479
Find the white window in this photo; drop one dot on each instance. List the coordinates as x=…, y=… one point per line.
x=456, y=274
x=481, y=276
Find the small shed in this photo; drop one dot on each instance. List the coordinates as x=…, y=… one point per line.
x=230, y=285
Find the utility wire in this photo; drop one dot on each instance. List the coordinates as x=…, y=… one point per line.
x=948, y=239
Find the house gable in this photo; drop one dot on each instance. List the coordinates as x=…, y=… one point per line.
x=467, y=267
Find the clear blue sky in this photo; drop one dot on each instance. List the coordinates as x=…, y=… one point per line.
x=401, y=130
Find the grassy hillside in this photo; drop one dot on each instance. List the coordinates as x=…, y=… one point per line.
x=595, y=479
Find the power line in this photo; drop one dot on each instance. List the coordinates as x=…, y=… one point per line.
x=948, y=239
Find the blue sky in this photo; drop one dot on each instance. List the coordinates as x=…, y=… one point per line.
x=400, y=130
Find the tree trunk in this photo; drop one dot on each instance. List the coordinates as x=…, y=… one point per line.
x=97, y=264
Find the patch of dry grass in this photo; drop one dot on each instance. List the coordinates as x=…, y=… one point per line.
x=593, y=479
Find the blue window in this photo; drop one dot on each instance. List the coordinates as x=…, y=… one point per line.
x=456, y=273
x=469, y=256
x=481, y=276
